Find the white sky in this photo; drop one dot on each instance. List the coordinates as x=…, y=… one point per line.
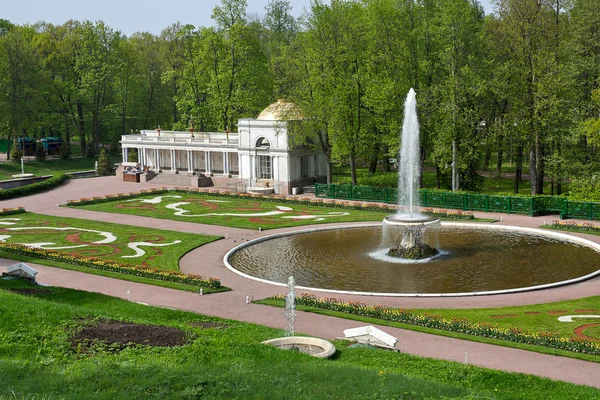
x=129, y=16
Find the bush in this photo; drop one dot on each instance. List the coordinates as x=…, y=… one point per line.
x=132, y=156
x=104, y=167
x=40, y=152
x=90, y=150
x=65, y=151
x=33, y=188
x=16, y=154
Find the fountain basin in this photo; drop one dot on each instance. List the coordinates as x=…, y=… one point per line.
x=475, y=259
x=316, y=347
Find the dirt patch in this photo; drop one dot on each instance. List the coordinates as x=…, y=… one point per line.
x=30, y=291
x=579, y=331
x=588, y=311
x=533, y=313
x=126, y=334
x=556, y=312
x=209, y=325
x=505, y=315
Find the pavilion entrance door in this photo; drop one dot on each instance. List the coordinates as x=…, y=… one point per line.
x=264, y=167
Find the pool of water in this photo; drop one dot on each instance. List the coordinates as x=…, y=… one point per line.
x=471, y=260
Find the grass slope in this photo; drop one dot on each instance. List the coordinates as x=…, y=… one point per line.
x=36, y=361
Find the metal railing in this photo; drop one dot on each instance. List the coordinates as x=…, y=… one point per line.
x=529, y=205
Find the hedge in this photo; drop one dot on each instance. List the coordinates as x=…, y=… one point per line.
x=33, y=188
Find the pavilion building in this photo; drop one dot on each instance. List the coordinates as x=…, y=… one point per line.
x=258, y=158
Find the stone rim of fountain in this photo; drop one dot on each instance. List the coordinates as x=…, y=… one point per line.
x=408, y=220
x=548, y=233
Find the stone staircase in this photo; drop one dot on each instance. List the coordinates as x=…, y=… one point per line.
x=166, y=178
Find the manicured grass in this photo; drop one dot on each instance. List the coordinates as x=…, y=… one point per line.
x=37, y=361
x=50, y=167
x=534, y=318
x=164, y=257
x=239, y=212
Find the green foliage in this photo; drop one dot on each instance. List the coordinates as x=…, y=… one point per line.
x=64, y=151
x=104, y=166
x=40, y=152
x=38, y=187
x=132, y=155
x=16, y=154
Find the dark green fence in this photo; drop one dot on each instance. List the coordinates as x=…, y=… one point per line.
x=530, y=205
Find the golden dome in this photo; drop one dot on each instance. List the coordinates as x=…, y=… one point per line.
x=281, y=110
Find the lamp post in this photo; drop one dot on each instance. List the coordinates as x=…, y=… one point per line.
x=158, y=130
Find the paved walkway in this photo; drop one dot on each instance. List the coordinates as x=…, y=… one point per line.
x=208, y=260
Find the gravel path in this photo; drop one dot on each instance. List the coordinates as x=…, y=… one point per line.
x=207, y=260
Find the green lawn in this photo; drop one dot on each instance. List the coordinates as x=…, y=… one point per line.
x=533, y=318
x=50, y=167
x=37, y=361
x=156, y=248
x=230, y=211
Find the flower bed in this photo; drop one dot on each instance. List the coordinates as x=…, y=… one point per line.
x=113, y=266
x=118, y=196
x=11, y=211
x=349, y=205
x=548, y=339
x=576, y=226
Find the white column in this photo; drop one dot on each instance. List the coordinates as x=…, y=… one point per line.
x=239, y=165
x=208, y=163
x=190, y=161
x=173, y=161
x=157, y=153
x=225, y=164
x=124, y=154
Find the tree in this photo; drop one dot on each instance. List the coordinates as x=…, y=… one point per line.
x=21, y=82
x=104, y=167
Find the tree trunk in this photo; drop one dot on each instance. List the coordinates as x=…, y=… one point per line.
x=533, y=175
x=81, y=128
x=386, y=159
x=374, y=159
x=539, y=164
x=353, y=167
x=499, y=163
x=438, y=177
x=329, y=172
x=518, y=167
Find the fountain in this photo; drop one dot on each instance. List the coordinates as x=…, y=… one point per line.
x=316, y=347
x=405, y=230
x=475, y=259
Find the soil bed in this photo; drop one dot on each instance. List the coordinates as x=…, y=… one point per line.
x=126, y=334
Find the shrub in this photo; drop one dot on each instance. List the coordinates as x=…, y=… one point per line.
x=90, y=150
x=132, y=156
x=40, y=152
x=65, y=150
x=16, y=154
x=33, y=188
x=104, y=167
